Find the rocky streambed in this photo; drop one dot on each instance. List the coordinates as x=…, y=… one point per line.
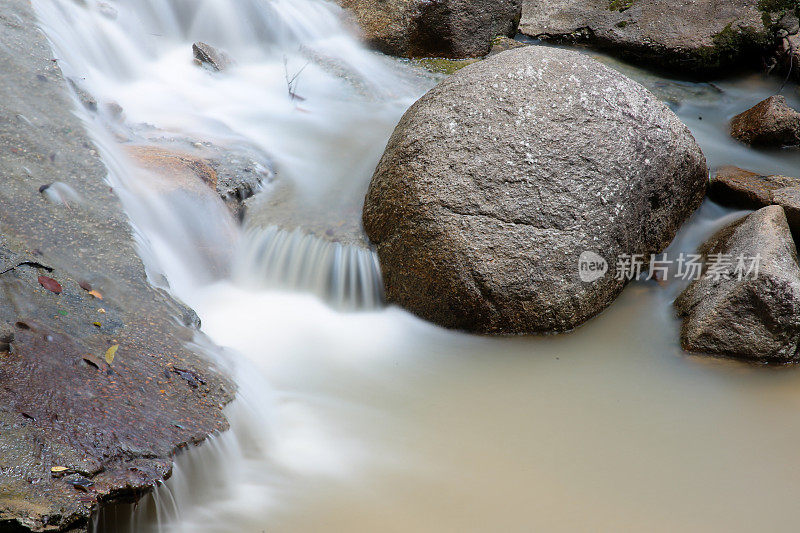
x=493, y=191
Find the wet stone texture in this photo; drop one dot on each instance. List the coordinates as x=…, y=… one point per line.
x=498, y=180
x=698, y=36
x=76, y=427
x=771, y=122
x=751, y=316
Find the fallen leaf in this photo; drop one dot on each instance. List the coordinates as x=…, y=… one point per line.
x=50, y=284
x=57, y=469
x=96, y=294
x=85, y=285
x=110, y=353
x=98, y=324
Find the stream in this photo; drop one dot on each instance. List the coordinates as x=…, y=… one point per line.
x=356, y=416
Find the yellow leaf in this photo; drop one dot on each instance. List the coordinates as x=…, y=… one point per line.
x=110, y=353
x=58, y=469
x=96, y=295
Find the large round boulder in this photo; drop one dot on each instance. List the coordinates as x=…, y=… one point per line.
x=502, y=179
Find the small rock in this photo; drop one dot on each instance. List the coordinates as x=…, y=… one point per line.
x=771, y=122
x=756, y=317
x=206, y=54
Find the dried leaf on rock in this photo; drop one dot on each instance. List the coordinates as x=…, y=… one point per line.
x=110, y=353
x=50, y=284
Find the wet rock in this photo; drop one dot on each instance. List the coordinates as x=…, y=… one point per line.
x=440, y=65
x=771, y=122
x=110, y=424
x=736, y=187
x=444, y=28
x=232, y=172
x=752, y=317
x=694, y=35
x=205, y=54
x=495, y=182
x=88, y=101
x=503, y=43
x=789, y=199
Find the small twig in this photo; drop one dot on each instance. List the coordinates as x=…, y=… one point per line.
x=291, y=83
x=791, y=66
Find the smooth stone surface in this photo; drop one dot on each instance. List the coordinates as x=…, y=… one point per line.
x=495, y=182
x=747, y=318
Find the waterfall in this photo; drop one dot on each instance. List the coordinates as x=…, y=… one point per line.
x=321, y=133
x=322, y=136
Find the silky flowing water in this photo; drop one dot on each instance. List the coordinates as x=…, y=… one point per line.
x=353, y=416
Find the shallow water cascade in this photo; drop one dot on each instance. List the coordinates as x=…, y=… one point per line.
x=352, y=416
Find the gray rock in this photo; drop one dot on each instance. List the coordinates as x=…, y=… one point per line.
x=495, y=182
x=735, y=187
x=698, y=35
x=61, y=404
x=771, y=122
x=755, y=317
x=442, y=28
x=205, y=54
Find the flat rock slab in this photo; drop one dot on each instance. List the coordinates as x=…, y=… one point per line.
x=751, y=317
x=495, y=183
x=736, y=187
x=693, y=35
x=771, y=122
x=78, y=427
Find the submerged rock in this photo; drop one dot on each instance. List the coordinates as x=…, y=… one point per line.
x=445, y=28
x=233, y=172
x=205, y=54
x=755, y=317
x=771, y=122
x=697, y=35
x=496, y=182
x=78, y=427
